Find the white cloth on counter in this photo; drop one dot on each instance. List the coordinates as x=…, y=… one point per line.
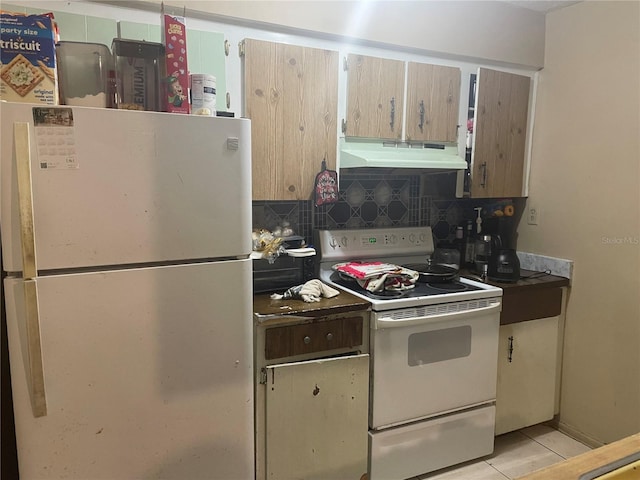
x=311, y=291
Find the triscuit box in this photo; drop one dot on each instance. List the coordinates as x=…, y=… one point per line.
x=27, y=59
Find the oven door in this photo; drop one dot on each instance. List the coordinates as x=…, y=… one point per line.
x=432, y=360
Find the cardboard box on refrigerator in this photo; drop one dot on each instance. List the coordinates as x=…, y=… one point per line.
x=27, y=59
x=174, y=37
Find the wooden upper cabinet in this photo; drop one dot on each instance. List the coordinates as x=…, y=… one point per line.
x=433, y=100
x=291, y=97
x=500, y=131
x=375, y=94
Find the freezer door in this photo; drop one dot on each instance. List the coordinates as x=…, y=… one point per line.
x=148, y=374
x=145, y=187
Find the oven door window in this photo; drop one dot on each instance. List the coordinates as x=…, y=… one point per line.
x=439, y=345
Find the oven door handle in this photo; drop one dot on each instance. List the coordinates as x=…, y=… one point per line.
x=388, y=322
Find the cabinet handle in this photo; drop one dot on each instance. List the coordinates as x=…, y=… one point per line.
x=483, y=183
x=421, y=110
x=329, y=336
x=307, y=340
x=393, y=112
x=510, y=349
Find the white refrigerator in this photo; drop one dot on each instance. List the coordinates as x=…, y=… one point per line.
x=130, y=339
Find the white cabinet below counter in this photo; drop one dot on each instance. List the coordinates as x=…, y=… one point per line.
x=530, y=351
x=311, y=388
x=527, y=361
x=316, y=418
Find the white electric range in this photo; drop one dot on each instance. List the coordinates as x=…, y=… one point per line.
x=433, y=352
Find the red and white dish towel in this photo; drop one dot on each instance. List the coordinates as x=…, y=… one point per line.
x=379, y=276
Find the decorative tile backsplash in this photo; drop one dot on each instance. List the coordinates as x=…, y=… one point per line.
x=295, y=214
x=375, y=201
x=380, y=200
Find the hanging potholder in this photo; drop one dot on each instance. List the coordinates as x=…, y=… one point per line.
x=326, y=190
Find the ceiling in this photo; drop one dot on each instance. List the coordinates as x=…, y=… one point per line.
x=542, y=6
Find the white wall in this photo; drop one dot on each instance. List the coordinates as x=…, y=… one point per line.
x=585, y=182
x=487, y=30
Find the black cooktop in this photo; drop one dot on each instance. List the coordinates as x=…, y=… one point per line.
x=420, y=290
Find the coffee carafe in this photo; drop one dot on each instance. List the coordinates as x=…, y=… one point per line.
x=482, y=254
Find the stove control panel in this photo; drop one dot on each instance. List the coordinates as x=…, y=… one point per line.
x=353, y=244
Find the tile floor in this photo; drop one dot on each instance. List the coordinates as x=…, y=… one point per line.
x=515, y=454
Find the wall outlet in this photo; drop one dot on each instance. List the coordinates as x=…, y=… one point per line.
x=533, y=215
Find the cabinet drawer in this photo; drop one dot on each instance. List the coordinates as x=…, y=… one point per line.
x=313, y=337
x=530, y=304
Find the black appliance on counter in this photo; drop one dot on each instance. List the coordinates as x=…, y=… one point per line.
x=285, y=272
x=504, y=265
x=504, y=227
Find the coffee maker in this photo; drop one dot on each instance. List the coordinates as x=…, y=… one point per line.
x=503, y=227
x=504, y=265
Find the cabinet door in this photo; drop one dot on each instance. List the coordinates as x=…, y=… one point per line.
x=526, y=374
x=433, y=99
x=291, y=97
x=317, y=419
x=500, y=130
x=375, y=94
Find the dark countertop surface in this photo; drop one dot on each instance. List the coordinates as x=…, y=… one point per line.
x=263, y=305
x=539, y=281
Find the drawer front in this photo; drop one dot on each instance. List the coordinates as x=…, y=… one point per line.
x=530, y=305
x=314, y=337
x=418, y=448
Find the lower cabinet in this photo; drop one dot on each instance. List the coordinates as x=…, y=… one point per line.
x=527, y=372
x=316, y=419
x=312, y=397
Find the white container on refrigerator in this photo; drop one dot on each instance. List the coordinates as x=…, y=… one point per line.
x=144, y=296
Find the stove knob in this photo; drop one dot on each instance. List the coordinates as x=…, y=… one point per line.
x=423, y=237
x=393, y=239
x=412, y=238
x=344, y=241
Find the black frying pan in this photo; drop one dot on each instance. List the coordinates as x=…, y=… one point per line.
x=433, y=273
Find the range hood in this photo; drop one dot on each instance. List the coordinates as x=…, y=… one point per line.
x=371, y=154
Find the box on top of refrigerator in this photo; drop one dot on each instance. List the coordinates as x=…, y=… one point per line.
x=174, y=37
x=27, y=59
x=139, y=68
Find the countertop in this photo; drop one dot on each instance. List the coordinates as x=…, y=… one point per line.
x=263, y=305
x=573, y=468
x=539, y=281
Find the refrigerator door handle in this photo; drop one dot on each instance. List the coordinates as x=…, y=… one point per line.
x=25, y=198
x=29, y=269
x=34, y=350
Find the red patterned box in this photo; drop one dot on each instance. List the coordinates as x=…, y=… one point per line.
x=174, y=37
